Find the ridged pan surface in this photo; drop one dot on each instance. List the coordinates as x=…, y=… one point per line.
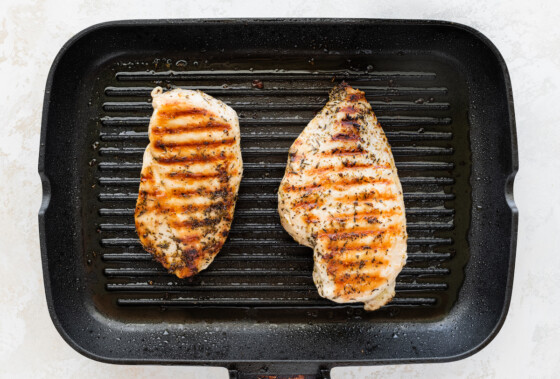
x=450, y=125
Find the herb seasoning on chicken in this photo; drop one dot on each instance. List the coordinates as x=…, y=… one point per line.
x=190, y=178
x=341, y=196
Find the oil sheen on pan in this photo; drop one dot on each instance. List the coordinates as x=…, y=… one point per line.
x=190, y=178
x=341, y=195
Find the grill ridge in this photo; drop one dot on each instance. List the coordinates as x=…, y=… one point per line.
x=271, y=75
x=249, y=90
x=386, y=121
x=251, y=151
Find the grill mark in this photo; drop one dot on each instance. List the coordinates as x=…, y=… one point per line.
x=340, y=185
x=220, y=192
x=345, y=167
x=202, y=127
x=349, y=110
x=219, y=202
x=346, y=137
x=156, y=200
x=195, y=175
x=188, y=239
x=350, y=124
x=337, y=265
x=167, y=209
x=348, y=130
x=338, y=152
x=193, y=159
x=311, y=218
x=355, y=233
x=365, y=196
x=159, y=145
x=170, y=111
x=336, y=247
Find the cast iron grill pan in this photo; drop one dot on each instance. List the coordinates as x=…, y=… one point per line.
x=260, y=284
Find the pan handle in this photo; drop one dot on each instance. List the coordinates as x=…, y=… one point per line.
x=235, y=374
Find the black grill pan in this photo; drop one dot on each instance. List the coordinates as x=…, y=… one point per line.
x=443, y=96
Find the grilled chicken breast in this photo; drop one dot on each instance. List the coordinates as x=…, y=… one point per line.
x=189, y=182
x=341, y=196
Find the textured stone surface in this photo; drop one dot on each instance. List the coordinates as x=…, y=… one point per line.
x=526, y=33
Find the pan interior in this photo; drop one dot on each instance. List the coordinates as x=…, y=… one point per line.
x=420, y=105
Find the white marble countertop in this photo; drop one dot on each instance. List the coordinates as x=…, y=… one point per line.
x=526, y=33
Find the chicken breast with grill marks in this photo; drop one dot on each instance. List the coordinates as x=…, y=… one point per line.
x=190, y=179
x=341, y=196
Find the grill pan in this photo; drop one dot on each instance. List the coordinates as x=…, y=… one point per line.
x=440, y=90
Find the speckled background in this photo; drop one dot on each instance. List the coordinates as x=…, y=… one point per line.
x=526, y=32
